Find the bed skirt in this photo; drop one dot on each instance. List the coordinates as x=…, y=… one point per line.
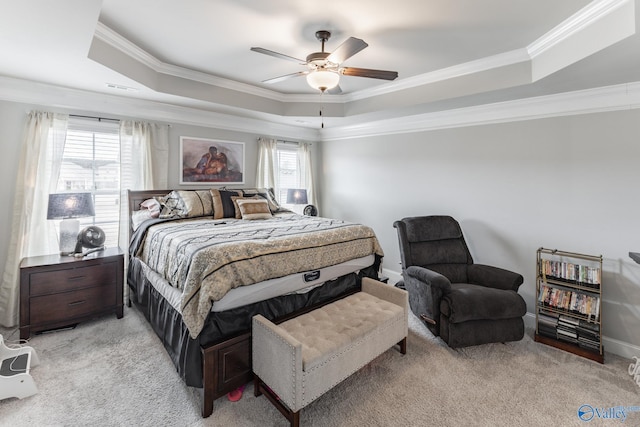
x=185, y=352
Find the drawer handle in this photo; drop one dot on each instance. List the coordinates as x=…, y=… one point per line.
x=76, y=278
x=77, y=303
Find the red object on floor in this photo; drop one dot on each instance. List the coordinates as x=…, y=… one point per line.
x=236, y=394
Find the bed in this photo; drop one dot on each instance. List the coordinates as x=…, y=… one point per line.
x=209, y=260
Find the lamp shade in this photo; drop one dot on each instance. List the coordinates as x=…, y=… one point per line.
x=323, y=79
x=70, y=205
x=296, y=196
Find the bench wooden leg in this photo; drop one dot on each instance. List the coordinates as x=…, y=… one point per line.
x=403, y=345
x=256, y=386
x=260, y=387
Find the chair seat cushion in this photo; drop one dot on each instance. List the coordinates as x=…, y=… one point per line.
x=473, y=302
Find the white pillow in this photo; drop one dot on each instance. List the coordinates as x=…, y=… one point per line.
x=150, y=208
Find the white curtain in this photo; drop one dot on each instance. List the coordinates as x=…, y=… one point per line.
x=144, y=160
x=306, y=173
x=267, y=174
x=31, y=233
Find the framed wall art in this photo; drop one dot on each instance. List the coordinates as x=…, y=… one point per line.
x=211, y=161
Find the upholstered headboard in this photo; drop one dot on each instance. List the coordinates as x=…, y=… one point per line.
x=135, y=198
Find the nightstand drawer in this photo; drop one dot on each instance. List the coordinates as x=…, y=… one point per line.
x=58, y=291
x=67, y=305
x=48, y=282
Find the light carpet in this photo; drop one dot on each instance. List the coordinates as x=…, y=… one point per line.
x=111, y=372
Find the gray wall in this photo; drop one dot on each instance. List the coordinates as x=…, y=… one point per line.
x=569, y=183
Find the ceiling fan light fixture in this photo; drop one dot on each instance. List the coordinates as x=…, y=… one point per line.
x=323, y=79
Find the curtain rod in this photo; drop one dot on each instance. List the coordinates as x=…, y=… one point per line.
x=94, y=118
x=291, y=142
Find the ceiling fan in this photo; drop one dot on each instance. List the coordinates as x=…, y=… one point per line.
x=323, y=68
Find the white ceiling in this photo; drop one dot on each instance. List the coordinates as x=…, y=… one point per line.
x=195, y=53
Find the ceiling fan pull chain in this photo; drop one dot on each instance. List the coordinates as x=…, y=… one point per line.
x=321, y=116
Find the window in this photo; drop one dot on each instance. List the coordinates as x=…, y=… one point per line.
x=91, y=163
x=289, y=171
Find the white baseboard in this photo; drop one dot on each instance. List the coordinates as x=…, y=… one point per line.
x=611, y=345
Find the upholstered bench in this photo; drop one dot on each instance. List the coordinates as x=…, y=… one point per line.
x=300, y=359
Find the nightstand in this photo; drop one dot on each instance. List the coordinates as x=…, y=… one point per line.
x=58, y=291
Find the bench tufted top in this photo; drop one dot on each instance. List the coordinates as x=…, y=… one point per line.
x=327, y=331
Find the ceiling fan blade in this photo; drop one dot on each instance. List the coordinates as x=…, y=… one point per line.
x=278, y=55
x=365, y=72
x=346, y=50
x=285, y=77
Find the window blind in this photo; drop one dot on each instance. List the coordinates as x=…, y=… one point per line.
x=288, y=171
x=91, y=163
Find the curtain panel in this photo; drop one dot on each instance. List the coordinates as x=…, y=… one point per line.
x=144, y=161
x=31, y=233
x=268, y=172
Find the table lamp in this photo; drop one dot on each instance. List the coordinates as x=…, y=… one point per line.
x=296, y=196
x=68, y=207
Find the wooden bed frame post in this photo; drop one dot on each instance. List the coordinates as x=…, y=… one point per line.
x=208, y=382
x=225, y=367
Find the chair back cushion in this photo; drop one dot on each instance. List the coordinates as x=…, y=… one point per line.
x=434, y=242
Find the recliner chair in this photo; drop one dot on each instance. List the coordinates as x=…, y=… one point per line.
x=464, y=303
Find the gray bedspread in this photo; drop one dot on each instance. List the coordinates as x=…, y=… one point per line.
x=206, y=258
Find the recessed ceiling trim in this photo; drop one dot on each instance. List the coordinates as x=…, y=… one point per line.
x=611, y=98
x=584, y=18
x=130, y=49
x=62, y=99
x=472, y=67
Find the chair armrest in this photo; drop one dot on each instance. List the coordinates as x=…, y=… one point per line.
x=428, y=277
x=277, y=360
x=426, y=288
x=494, y=277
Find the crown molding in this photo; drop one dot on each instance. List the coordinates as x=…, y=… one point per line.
x=130, y=49
x=76, y=100
x=610, y=98
x=586, y=17
x=491, y=62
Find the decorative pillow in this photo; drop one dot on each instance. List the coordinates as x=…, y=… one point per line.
x=235, y=199
x=152, y=205
x=172, y=205
x=216, y=199
x=228, y=208
x=253, y=208
x=196, y=203
x=186, y=204
x=266, y=193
